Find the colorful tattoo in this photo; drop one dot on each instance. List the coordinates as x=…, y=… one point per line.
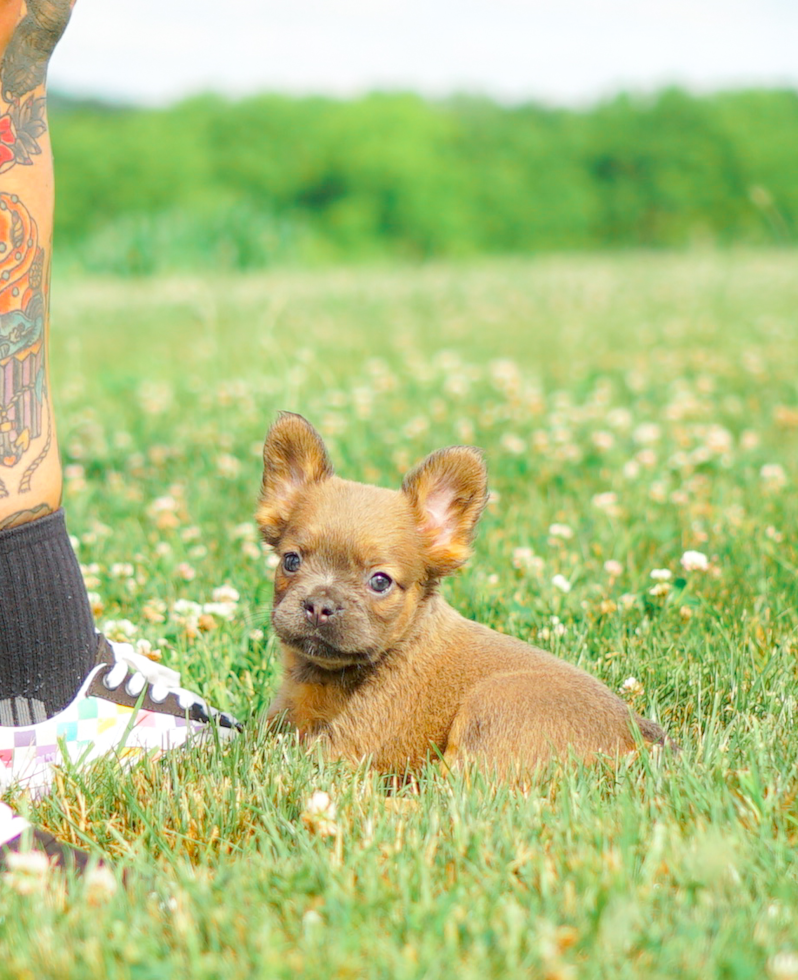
x=25, y=61
x=24, y=405
x=20, y=129
x=24, y=69
x=22, y=374
x=25, y=516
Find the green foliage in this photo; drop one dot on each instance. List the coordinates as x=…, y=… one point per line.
x=272, y=179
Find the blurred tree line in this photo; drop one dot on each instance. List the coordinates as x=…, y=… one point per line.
x=271, y=178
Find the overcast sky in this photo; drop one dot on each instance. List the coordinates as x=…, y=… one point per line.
x=564, y=51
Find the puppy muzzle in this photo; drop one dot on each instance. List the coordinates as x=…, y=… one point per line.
x=321, y=607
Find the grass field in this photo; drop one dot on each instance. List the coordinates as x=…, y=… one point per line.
x=632, y=409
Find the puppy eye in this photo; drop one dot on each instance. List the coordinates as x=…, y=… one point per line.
x=380, y=582
x=291, y=562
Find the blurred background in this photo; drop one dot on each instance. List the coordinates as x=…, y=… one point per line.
x=193, y=136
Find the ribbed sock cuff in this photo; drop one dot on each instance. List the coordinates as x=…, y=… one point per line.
x=47, y=634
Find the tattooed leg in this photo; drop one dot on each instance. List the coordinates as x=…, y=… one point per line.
x=47, y=636
x=30, y=472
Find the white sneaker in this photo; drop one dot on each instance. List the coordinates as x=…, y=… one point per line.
x=128, y=706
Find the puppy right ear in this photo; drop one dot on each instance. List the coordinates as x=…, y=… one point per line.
x=448, y=491
x=294, y=456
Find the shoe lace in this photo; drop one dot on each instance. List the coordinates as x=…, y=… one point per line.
x=161, y=680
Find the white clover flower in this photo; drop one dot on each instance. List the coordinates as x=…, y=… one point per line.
x=155, y=397
x=185, y=607
x=226, y=593
x=540, y=441
x=749, y=439
x=523, y=557
x=227, y=465
x=607, y=501
x=465, y=430
x=154, y=610
x=99, y=885
x=161, y=504
x=185, y=571
x=27, y=871
x=312, y=920
x=188, y=614
x=513, y=444
x=561, y=582
x=163, y=511
x=719, y=440
x=221, y=610
x=783, y=966
x=660, y=589
x=90, y=575
x=613, y=568
x=503, y=368
x=661, y=574
x=250, y=550
x=632, y=686
x=418, y=426
x=527, y=560
x=647, y=433
x=120, y=630
x=561, y=531
x=773, y=476
x=569, y=453
x=146, y=649
x=121, y=569
x=244, y=532
x=96, y=603
x=319, y=815
x=619, y=418
x=602, y=440
x=694, y=561
x=658, y=491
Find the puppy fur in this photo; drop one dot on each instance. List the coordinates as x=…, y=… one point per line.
x=377, y=665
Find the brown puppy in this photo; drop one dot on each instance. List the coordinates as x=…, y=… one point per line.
x=377, y=664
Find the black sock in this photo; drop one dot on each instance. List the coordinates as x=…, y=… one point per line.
x=47, y=637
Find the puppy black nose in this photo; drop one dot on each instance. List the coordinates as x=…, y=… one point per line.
x=319, y=609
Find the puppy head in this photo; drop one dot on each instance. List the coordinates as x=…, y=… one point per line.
x=357, y=561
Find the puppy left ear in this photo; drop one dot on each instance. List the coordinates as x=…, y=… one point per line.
x=448, y=492
x=294, y=457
